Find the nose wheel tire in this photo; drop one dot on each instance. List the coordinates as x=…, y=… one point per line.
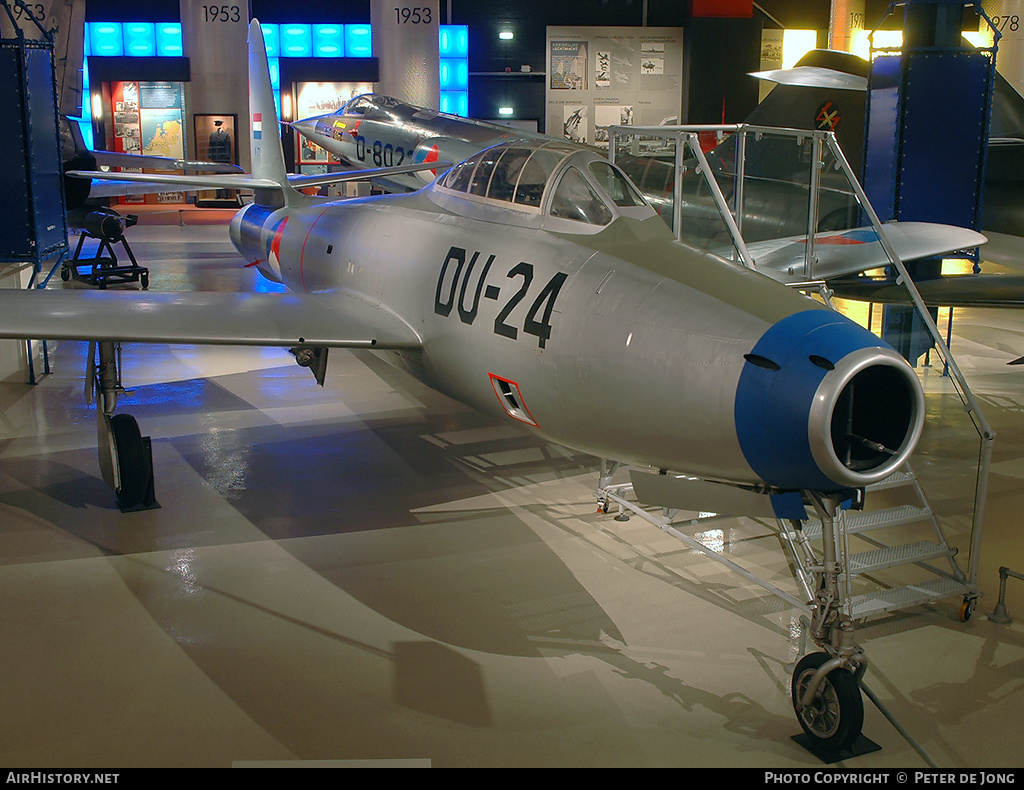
x=834, y=719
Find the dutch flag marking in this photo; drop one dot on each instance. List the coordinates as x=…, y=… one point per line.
x=257, y=126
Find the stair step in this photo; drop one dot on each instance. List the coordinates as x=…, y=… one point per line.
x=881, y=601
x=891, y=556
x=867, y=520
x=895, y=480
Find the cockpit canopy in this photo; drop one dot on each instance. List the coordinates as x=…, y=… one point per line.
x=548, y=179
x=377, y=106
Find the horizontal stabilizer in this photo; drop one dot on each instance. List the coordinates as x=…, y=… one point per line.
x=185, y=182
x=118, y=159
x=702, y=496
x=333, y=320
x=317, y=179
x=181, y=181
x=843, y=252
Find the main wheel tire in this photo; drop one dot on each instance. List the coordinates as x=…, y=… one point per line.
x=835, y=718
x=132, y=461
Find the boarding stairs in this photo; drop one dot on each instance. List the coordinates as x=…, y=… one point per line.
x=894, y=555
x=893, y=552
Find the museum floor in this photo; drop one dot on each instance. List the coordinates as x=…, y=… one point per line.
x=369, y=571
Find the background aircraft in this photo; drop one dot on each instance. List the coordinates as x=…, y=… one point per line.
x=827, y=89
x=534, y=283
x=378, y=130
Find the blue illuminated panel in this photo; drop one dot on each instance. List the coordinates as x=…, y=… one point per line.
x=328, y=41
x=454, y=41
x=454, y=74
x=358, y=41
x=139, y=39
x=455, y=103
x=296, y=41
x=272, y=40
x=168, y=39
x=106, y=39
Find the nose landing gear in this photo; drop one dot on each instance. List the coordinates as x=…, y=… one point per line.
x=826, y=692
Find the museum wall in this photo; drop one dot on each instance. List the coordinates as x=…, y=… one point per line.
x=718, y=53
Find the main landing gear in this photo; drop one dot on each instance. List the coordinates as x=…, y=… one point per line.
x=126, y=457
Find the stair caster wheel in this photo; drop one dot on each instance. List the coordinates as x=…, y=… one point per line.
x=967, y=608
x=834, y=719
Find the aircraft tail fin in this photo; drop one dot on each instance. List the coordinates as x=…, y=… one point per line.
x=264, y=128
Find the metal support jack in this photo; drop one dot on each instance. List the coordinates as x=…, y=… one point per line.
x=103, y=268
x=999, y=614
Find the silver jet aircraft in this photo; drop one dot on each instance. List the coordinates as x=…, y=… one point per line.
x=534, y=283
x=374, y=130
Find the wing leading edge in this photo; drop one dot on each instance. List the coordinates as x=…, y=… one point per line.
x=845, y=252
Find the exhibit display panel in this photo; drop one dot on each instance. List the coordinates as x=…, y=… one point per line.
x=607, y=76
x=148, y=118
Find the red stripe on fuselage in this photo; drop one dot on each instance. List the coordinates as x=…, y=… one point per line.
x=302, y=252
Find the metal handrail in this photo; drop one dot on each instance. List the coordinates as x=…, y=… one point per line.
x=984, y=429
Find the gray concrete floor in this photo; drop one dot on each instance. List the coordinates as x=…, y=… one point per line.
x=370, y=571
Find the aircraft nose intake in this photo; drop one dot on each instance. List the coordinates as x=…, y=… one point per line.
x=823, y=404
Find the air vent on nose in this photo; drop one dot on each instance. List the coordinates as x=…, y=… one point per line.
x=761, y=362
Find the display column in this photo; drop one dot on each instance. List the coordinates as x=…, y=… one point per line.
x=215, y=40
x=1008, y=18
x=846, y=24
x=405, y=43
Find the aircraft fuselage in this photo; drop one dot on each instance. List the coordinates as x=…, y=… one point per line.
x=587, y=340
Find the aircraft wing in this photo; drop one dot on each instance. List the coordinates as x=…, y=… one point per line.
x=337, y=320
x=957, y=290
x=116, y=187
x=844, y=252
x=814, y=77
